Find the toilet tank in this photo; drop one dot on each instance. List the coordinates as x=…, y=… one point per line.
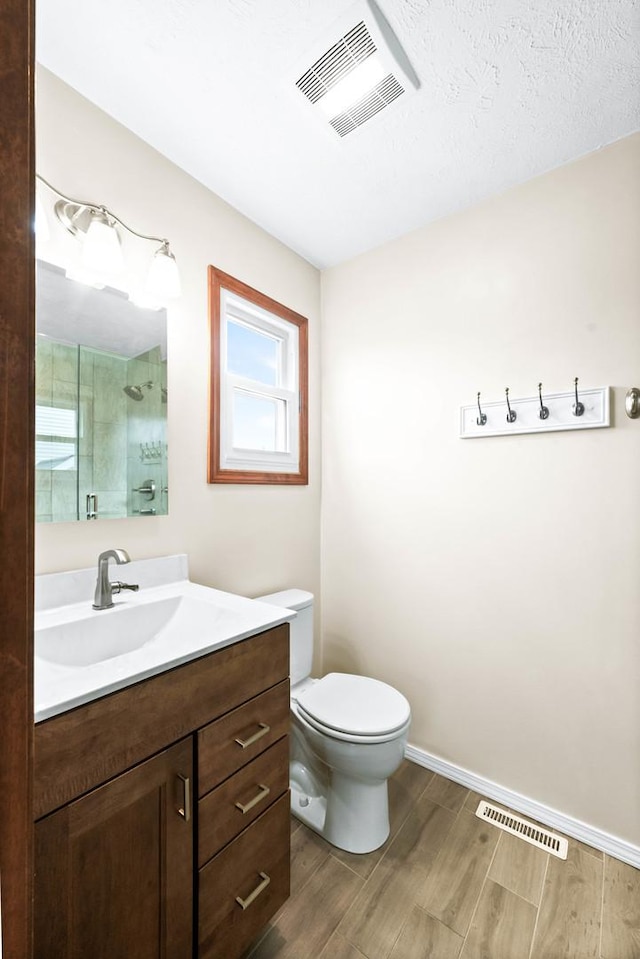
x=301, y=629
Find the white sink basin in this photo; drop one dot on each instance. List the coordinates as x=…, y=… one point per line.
x=82, y=653
x=125, y=628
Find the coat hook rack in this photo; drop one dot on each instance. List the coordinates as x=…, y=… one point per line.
x=537, y=414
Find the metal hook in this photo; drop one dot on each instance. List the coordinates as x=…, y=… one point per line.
x=632, y=403
x=511, y=415
x=544, y=410
x=578, y=407
x=482, y=419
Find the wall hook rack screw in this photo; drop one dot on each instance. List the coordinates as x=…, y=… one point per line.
x=578, y=407
x=512, y=416
x=482, y=419
x=544, y=410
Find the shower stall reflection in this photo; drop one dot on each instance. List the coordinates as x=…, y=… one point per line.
x=101, y=374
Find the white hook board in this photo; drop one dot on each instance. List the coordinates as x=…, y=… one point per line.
x=561, y=417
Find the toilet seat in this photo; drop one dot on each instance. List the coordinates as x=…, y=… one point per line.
x=354, y=708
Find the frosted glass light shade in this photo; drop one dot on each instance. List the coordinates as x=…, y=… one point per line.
x=101, y=250
x=163, y=281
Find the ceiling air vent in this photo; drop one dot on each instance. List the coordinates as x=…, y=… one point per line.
x=380, y=97
x=336, y=63
x=357, y=70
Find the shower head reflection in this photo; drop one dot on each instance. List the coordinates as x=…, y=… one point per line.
x=135, y=392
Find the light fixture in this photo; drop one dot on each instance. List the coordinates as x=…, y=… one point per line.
x=355, y=70
x=97, y=228
x=101, y=250
x=163, y=280
x=352, y=88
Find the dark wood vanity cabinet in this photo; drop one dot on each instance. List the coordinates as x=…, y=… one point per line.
x=162, y=811
x=114, y=873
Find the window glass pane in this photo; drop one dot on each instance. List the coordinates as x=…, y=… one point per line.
x=55, y=456
x=55, y=438
x=252, y=354
x=53, y=421
x=257, y=422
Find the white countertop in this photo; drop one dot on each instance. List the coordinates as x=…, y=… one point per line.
x=200, y=620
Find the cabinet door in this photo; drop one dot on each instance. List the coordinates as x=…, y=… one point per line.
x=114, y=869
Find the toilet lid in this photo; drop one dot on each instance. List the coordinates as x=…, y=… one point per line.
x=355, y=704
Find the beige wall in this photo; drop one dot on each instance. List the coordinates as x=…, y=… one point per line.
x=239, y=538
x=496, y=582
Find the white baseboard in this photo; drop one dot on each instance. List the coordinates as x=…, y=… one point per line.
x=597, y=838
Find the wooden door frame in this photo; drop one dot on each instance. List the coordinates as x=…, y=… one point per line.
x=17, y=345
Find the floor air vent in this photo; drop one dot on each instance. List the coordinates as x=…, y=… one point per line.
x=542, y=838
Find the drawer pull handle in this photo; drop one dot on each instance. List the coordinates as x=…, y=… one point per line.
x=264, y=729
x=263, y=792
x=185, y=809
x=245, y=903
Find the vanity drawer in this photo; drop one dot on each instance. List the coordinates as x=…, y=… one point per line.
x=231, y=742
x=227, y=810
x=253, y=868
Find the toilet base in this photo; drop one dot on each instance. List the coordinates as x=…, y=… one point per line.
x=354, y=816
x=311, y=810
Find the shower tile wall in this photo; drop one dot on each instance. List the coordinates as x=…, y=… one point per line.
x=57, y=462
x=147, y=447
x=44, y=392
x=103, y=437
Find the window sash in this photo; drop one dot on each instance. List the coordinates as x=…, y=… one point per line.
x=285, y=459
x=232, y=457
x=253, y=317
x=232, y=301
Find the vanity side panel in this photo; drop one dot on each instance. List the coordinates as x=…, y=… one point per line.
x=87, y=746
x=17, y=448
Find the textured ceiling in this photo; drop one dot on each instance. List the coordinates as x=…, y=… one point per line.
x=509, y=89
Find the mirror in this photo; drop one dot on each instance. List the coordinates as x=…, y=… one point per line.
x=101, y=402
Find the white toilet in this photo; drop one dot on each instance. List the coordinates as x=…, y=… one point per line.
x=348, y=736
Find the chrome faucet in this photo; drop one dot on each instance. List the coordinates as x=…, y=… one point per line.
x=103, y=598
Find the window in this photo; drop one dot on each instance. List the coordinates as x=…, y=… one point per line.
x=258, y=396
x=56, y=437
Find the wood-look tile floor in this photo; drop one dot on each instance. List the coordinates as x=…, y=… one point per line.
x=447, y=886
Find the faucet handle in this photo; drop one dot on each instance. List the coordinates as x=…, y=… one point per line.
x=117, y=587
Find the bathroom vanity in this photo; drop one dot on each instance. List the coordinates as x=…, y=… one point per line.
x=162, y=810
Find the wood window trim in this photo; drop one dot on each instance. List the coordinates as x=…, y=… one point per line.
x=218, y=281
